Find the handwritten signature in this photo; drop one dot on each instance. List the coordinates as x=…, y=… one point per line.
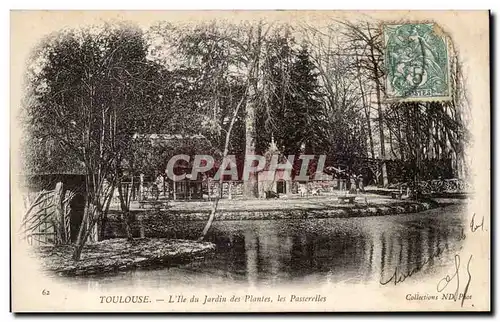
x=474, y=226
x=398, y=276
x=445, y=281
x=462, y=235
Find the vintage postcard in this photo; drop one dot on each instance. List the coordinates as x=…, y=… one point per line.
x=250, y=161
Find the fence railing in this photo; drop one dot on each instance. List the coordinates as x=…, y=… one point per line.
x=46, y=218
x=208, y=189
x=445, y=185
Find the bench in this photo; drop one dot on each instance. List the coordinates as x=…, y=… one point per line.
x=350, y=199
x=153, y=204
x=315, y=192
x=271, y=195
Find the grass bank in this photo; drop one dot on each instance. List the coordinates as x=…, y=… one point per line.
x=119, y=254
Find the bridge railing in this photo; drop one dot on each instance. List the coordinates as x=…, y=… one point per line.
x=442, y=186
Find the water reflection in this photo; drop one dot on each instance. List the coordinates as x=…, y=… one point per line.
x=321, y=251
x=328, y=250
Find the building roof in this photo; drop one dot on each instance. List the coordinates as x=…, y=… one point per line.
x=166, y=137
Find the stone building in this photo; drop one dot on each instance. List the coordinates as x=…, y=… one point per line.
x=277, y=182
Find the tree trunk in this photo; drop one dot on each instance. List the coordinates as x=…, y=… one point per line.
x=94, y=210
x=127, y=216
x=210, y=219
x=102, y=227
x=401, y=144
x=250, y=186
x=81, y=238
x=366, y=109
x=378, y=89
x=370, y=134
x=60, y=228
x=391, y=145
x=221, y=179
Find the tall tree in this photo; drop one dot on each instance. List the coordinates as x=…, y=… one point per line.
x=296, y=118
x=234, y=63
x=365, y=43
x=344, y=95
x=85, y=87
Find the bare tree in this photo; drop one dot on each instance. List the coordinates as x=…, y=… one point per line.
x=346, y=89
x=364, y=40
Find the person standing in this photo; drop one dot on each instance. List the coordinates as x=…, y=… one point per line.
x=361, y=183
x=353, y=183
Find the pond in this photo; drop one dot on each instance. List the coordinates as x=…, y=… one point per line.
x=280, y=252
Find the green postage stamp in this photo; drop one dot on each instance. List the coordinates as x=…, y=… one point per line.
x=417, y=64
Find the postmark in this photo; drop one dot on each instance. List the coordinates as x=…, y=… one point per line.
x=417, y=63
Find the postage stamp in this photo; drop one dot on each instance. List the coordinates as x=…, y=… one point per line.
x=417, y=63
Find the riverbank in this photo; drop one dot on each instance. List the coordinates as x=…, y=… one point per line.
x=165, y=222
x=119, y=254
x=156, y=232
x=302, y=212
x=263, y=253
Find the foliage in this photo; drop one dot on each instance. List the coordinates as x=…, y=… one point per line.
x=90, y=90
x=86, y=89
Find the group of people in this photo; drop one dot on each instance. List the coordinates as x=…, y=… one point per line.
x=354, y=183
x=349, y=180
